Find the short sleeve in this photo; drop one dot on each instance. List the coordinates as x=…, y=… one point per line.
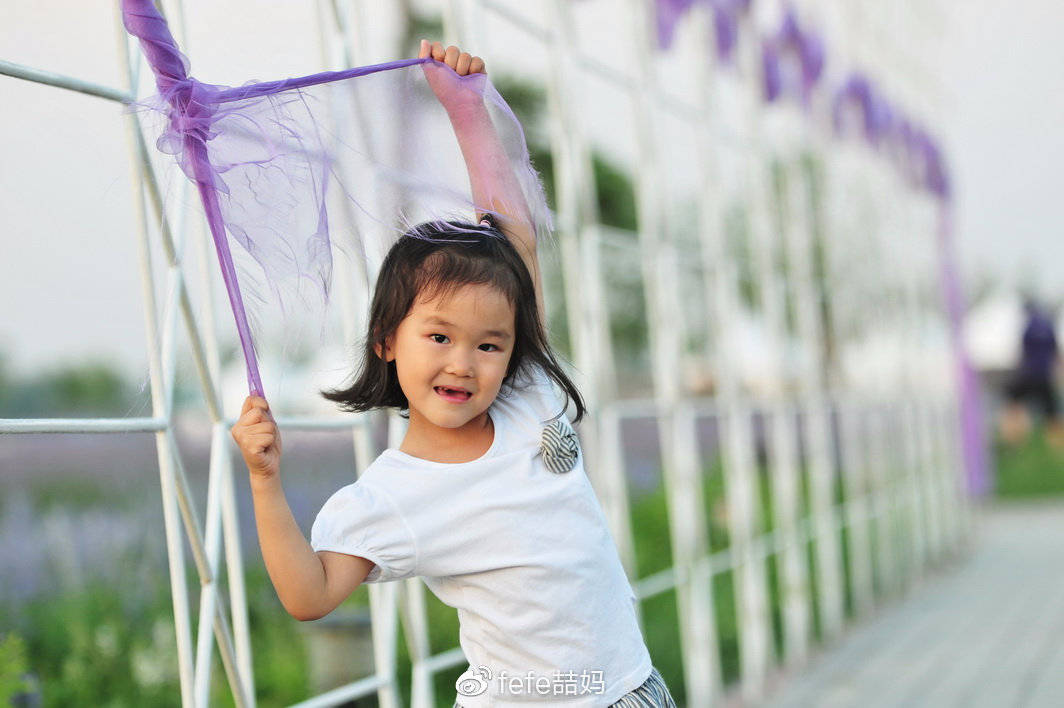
x=362, y=520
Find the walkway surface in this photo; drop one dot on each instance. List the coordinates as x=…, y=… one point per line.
x=985, y=631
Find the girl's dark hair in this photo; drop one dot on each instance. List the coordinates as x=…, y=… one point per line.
x=435, y=259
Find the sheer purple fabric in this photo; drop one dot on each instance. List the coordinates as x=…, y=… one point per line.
x=271, y=161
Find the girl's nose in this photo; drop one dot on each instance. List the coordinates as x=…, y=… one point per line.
x=461, y=365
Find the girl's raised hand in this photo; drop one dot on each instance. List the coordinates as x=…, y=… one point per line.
x=448, y=91
x=255, y=432
x=462, y=63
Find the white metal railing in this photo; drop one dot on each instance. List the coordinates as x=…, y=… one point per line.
x=902, y=506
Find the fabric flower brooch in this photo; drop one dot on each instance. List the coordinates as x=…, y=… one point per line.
x=559, y=446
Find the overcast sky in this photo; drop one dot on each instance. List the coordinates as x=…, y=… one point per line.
x=69, y=274
x=1005, y=65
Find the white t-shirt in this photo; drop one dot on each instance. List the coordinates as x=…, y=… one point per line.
x=523, y=554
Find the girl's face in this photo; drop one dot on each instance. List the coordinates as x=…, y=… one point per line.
x=451, y=354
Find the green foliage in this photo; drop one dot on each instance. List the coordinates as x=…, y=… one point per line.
x=661, y=629
x=13, y=667
x=653, y=554
x=105, y=646
x=1034, y=468
x=781, y=257
x=616, y=194
x=813, y=170
x=420, y=26
x=93, y=388
x=814, y=590
x=277, y=645
x=650, y=529
x=73, y=493
x=526, y=99
x=614, y=188
x=101, y=647
x=740, y=252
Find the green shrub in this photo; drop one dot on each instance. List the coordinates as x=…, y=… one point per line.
x=1034, y=468
x=13, y=667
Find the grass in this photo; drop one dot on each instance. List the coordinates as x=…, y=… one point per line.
x=1034, y=468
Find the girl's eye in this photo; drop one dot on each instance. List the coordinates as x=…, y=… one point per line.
x=438, y=338
x=491, y=348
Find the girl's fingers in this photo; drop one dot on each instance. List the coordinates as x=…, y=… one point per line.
x=255, y=402
x=262, y=429
x=451, y=57
x=258, y=444
x=462, y=66
x=255, y=419
x=256, y=434
x=462, y=62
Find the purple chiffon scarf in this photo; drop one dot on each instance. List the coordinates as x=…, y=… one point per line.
x=273, y=160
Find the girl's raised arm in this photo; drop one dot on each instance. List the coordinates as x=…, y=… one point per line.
x=491, y=179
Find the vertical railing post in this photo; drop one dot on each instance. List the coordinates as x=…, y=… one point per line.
x=343, y=40
x=680, y=457
x=797, y=234
x=585, y=293
x=172, y=524
x=781, y=417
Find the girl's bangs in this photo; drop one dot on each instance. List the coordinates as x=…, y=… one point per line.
x=445, y=271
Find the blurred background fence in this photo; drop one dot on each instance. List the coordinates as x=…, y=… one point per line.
x=752, y=277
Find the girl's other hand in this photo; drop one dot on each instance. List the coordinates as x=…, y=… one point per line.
x=255, y=432
x=451, y=93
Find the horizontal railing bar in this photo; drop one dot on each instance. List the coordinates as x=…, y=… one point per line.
x=40, y=76
x=709, y=406
x=764, y=546
x=623, y=408
x=362, y=687
x=656, y=583
x=444, y=660
x=324, y=424
x=152, y=425
x=88, y=425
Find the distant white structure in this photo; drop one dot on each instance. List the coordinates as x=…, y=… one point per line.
x=992, y=331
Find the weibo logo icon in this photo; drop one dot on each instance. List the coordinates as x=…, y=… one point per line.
x=474, y=681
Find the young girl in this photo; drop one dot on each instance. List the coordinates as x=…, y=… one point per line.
x=486, y=498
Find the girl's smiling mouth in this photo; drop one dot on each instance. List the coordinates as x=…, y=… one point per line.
x=455, y=395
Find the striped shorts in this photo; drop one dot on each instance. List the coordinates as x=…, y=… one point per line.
x=652, y=693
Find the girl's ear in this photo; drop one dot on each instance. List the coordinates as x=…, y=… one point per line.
x=388, y=349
